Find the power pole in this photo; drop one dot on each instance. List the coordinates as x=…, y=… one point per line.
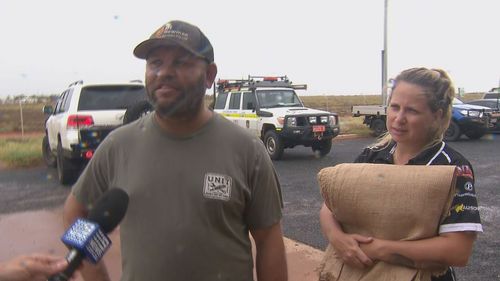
x=384, y=57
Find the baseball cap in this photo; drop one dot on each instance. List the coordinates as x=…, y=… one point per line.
x=177, y=33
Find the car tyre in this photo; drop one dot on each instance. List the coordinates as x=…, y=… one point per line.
x=378, y=127
x=453, y=132
x=322, y=147
x=475, y=135
x=273, y=144
x=48, y=157
x=137, y=111
x=66, y=169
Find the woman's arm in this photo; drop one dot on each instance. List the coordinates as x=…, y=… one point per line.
x=346, y=245
x=447, y=249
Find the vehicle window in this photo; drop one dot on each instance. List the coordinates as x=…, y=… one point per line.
x=67, y=100
x=220, y=101
x=110, y=97
x=278, y=98
x=59, y=102
x=234, y=102
x=249, y=101
x=457, y=101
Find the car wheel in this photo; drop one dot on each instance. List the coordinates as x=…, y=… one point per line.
x=137, y=111
x=48, y=157
x=66, y=170
x=475, y=135
x=274, y=145
x=453, y=132
x=322, y=148
x=378, y=127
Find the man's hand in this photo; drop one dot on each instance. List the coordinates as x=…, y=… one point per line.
x=35, y=267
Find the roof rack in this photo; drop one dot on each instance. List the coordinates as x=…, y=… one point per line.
x=253, y=82
x=76, y=83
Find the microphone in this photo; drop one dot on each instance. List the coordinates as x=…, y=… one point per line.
x=86, y=238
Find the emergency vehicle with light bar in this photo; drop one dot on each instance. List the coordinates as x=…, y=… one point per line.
x=270, y=108
x=83, y=116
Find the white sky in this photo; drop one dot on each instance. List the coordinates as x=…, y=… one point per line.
x=333, y=46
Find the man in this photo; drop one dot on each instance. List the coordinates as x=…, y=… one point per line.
x=198, y=184
x=34, y=267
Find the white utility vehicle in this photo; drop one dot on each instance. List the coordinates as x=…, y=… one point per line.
x=83, y=116
x=270, y=108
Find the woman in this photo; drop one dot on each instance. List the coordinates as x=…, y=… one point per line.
x=418, y=114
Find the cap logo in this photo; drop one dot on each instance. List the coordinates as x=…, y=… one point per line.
x=179, y=34
x=167, y=31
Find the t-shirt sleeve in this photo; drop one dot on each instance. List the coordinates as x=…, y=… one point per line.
x=464, y=212
x=264, y=208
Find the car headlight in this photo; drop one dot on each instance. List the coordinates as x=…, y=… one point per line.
x=312, y=119
x=471, y=113
x=291, y=121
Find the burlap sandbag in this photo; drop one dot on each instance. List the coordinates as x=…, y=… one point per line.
x=391, y=202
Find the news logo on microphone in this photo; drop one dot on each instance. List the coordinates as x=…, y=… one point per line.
x=88, y=238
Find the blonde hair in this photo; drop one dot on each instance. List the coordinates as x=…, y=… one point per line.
x=439, y=91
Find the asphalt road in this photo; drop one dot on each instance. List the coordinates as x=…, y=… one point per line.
x=37, y=188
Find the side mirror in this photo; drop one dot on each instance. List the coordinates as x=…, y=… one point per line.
x=48, y=109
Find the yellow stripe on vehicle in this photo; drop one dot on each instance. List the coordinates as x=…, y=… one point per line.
x=239, y=115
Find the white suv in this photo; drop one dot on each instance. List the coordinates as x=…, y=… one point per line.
x=270, y=108
x=83, y=116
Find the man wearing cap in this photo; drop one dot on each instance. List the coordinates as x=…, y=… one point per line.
x=198, y=184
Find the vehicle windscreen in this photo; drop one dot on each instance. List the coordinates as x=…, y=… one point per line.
x=278, y=98
x=457, y=101
x=110, y=97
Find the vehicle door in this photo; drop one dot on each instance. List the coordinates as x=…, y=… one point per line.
x=57, y=122
x=249, y=118
x=233, y=110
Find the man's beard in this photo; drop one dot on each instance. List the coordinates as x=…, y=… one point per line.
x=187, y=104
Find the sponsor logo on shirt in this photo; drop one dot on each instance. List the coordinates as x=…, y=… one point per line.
x=465, y=171
x=461, y=207
x=468, y=186
x=458, y=208
x=217, y=186
x=465, y=195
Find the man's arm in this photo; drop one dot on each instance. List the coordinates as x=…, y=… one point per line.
x=73, y=210
x=270, y=257
x=346, y=245
x=448, y=249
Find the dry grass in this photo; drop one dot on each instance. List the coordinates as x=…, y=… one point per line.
x=21, y=152
x=10, y=117
x=339, y=104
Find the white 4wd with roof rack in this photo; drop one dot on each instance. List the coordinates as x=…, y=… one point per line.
x=270, y=108
x=83, y=116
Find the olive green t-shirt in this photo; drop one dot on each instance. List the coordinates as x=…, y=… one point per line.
x=192, y=200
